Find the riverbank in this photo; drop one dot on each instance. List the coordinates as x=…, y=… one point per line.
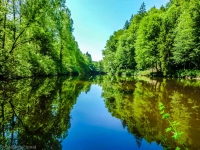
x=40, y=75
x=185, y=74
x=72, y=74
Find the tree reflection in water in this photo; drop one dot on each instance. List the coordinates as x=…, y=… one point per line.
x=36, y=112
x=135, y=102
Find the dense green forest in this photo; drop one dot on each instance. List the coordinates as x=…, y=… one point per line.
x=36, y=39
x=164, y=40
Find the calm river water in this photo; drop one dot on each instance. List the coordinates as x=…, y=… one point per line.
x=99, y=113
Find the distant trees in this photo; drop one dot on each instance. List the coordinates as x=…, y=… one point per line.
x=165, y=39
x=98, y=66
x=142, y=10
x=88, y=60
x=126, y=25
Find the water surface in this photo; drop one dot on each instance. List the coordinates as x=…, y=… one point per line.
x=98, y=113
x=93, y=127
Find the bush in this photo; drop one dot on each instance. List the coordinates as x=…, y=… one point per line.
x=187, y=73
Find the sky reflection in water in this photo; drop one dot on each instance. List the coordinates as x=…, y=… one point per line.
x=94, y=128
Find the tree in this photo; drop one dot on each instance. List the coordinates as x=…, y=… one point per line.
x=169, y=23
x=40, y=32
x=88, y=60
x=184, y=41
x=124, y=58
x=110, y=51
x=126, y=25
x=130, y=20
x=142, y=10
x=165, y=39
x=147, y=53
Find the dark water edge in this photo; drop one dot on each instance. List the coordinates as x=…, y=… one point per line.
x=41, y=76
x=85, y=75
x=183, y=74
x=117, y=112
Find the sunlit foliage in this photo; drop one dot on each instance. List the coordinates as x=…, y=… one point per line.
x=163, y=40
x=36, y=39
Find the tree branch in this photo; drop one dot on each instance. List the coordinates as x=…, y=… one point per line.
x=14, y=43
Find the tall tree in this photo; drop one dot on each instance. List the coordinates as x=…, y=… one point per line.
x=186, y=49
x=40, y=32
x=142, y=9
x=126, y=25
x=110, y=51
x=147, y=54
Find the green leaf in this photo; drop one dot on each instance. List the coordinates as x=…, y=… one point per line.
x=162, y=112
x=177, y=148
x=168, y=129
x=175, y=123
x=180, y=133
x=176, y=136
x=161, y=106
x=165, y=116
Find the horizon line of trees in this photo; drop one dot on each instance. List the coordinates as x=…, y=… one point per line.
x=164, y=39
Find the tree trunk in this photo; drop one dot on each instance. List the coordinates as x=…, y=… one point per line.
x=156, y=67
x=3, y=118
x=14, y=18
x=4, y=28
x=20, y=17
x=12, y=134
x=61, y=57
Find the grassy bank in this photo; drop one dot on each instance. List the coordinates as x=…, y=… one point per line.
x=187, y=74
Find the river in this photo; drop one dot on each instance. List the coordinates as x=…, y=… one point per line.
x=99, y=113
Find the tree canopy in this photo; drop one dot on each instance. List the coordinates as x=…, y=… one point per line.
x=164, y=40
x=36, y=38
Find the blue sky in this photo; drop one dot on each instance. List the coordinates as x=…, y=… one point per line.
x=96, y=20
